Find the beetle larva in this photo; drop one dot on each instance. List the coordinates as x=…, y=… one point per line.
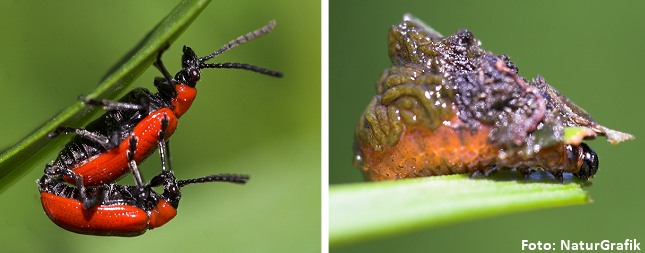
x=447, y=106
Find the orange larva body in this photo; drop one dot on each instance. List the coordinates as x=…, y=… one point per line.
x=423, y=152
x=446, y=150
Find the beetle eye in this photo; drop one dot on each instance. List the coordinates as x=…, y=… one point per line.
x=589, y=162
x=194, y=76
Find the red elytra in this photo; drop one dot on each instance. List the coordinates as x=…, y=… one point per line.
x=114, y=220
x=121, y=210
x=111, y=165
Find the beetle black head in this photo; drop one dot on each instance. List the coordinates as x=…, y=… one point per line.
x=172, y=192
x=191, y=64
x=190, y=68
x=589, y=165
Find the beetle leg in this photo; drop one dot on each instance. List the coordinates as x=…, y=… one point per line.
x=168, y=157
x=112, y=105
x=166, y=178
x=89, y=201
x=490, y=171
x=164, y=145
x=558, y=174
x=475, y=174
x=164, y=126
x=157, y=180
x=92, y=197
x=165, y=85
x=526, y=172
x=484, y=172
x=159, y=65
x=105, y=142
x=141, y=189
x=132, y=163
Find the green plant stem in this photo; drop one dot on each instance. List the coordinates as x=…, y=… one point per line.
x=369, y=210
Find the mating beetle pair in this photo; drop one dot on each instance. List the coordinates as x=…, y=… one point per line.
x=109, y=147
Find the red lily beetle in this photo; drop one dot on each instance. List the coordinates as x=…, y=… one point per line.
x=122, y=210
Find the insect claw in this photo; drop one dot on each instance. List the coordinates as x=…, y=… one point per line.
x=490, y=171
x=558, y=174
x=561, y=179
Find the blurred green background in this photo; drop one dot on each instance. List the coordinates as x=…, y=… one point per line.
x=592, y=51
x=241, y=122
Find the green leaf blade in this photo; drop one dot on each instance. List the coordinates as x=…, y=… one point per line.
x=370, y=210
x=16, y=160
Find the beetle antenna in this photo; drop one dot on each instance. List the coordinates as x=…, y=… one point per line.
x=234, y=43
x=241, y=40
x=231, y=178
x=235, y=65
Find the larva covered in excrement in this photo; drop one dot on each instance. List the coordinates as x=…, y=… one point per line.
x=447, y=106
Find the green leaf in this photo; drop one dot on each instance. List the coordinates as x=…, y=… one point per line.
x=375, y=209
x=15, y=161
